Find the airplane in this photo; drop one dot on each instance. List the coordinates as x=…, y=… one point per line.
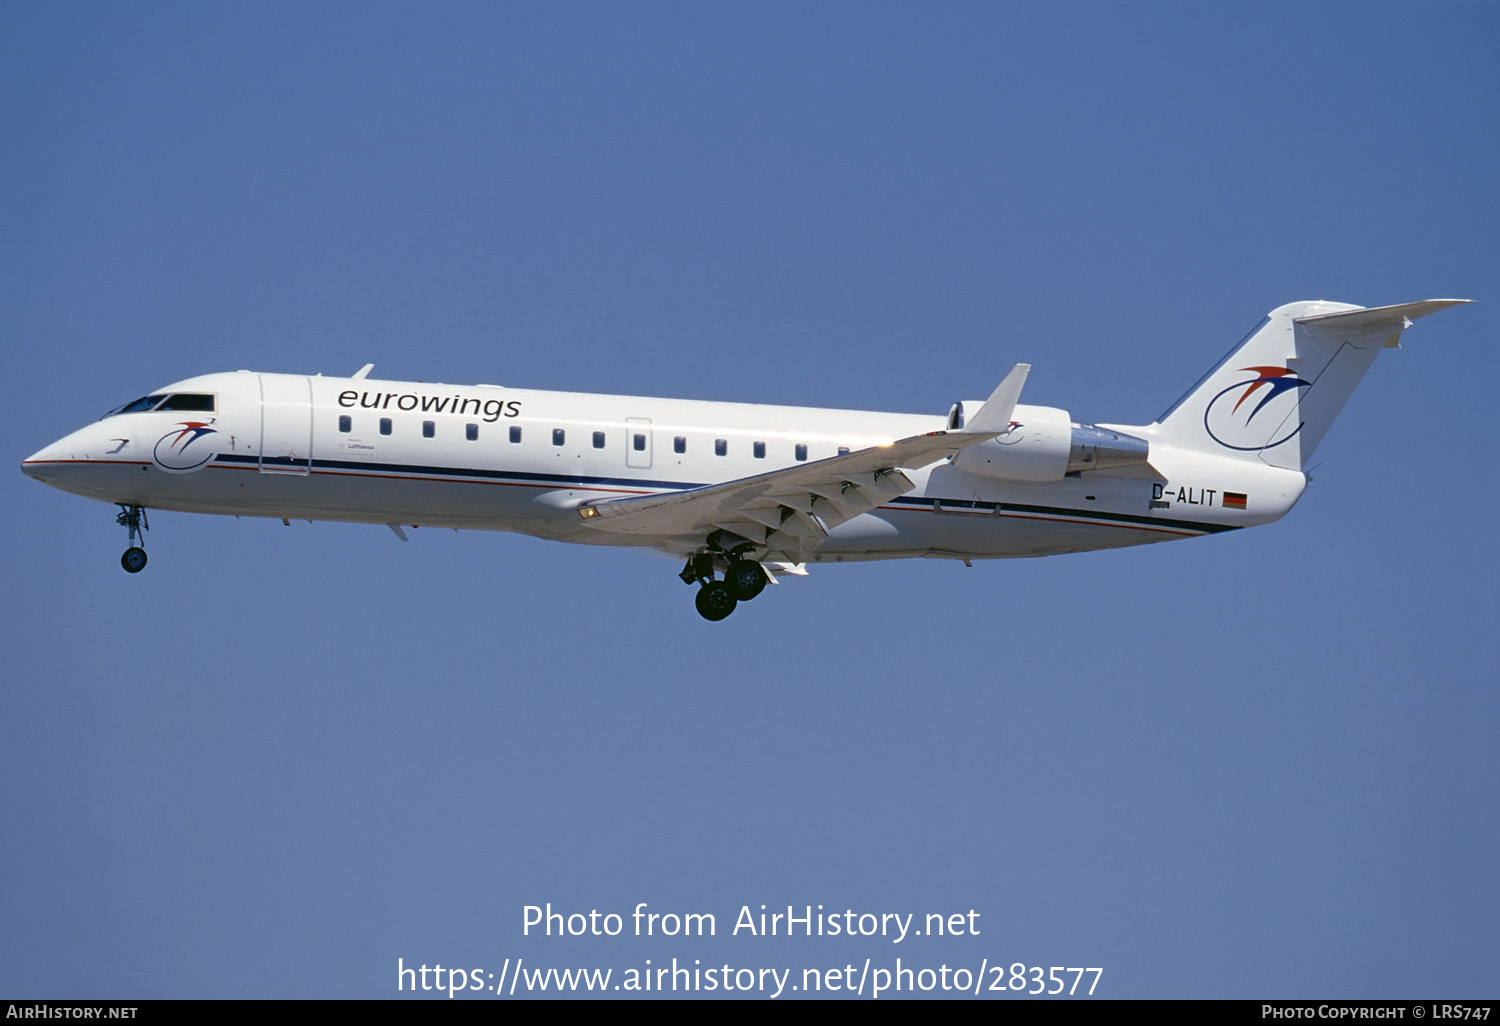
x=743, y=493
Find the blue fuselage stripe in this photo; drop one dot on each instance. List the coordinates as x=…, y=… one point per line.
x=584, y=483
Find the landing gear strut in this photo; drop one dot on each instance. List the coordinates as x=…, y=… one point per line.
x=743, y=580
x=133, y=519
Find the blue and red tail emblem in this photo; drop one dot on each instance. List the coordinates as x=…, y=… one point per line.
x=1232, y=420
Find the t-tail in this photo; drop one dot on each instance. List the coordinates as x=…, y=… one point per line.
x=1276, y=394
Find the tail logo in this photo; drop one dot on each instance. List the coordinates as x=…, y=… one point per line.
x=185, y=447
x=1256, y=414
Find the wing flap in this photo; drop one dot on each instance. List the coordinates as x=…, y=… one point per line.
x=769, y=518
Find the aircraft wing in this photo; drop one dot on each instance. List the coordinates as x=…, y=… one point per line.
x=790, y=511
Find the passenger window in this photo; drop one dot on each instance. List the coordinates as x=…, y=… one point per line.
x=640, y=443
x=679, y=445
x=428, y=429
x=801, y=451
x=515, y=433
x=188, y=402
x=758, y=450
x=385, y=425
x=471, y=432
x=598, y=439
x=559, y=436
x=721, y=447
x=346, y=423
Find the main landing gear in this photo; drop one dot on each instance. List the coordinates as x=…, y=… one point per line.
x=744, y=579
x=133, y=519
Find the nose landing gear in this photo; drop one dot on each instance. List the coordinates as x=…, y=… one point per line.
x=133, y=519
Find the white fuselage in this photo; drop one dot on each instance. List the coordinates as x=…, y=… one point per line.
x=493, y=458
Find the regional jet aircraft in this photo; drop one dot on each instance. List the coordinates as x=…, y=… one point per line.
x=742, y=493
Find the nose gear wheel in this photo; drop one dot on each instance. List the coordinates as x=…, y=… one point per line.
x=133, y=519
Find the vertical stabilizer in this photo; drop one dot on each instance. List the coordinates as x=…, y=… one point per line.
x=1274, y=397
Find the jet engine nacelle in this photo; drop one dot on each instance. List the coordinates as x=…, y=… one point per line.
x=1045, y=445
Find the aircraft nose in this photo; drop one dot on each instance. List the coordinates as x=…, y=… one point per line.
x=73, y=464
x=40, y=462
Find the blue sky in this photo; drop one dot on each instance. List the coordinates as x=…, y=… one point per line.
x=284, y=757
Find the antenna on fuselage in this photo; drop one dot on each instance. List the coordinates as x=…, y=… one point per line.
x=360, y=374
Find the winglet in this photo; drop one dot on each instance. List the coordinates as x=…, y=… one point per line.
x=994, y=416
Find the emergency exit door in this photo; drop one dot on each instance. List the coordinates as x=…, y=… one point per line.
x=285, y=424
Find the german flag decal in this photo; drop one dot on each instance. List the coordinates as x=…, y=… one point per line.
x=1234, y=500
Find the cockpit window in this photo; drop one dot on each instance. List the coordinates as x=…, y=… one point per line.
x=178, y=402
x=188, y=402
x=141, y=405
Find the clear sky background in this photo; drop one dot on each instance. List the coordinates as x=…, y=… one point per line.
x=284, y=757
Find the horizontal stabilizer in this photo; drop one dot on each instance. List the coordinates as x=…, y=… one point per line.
x=1377, y=315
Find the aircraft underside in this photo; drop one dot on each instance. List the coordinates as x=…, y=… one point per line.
x=728, y=568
